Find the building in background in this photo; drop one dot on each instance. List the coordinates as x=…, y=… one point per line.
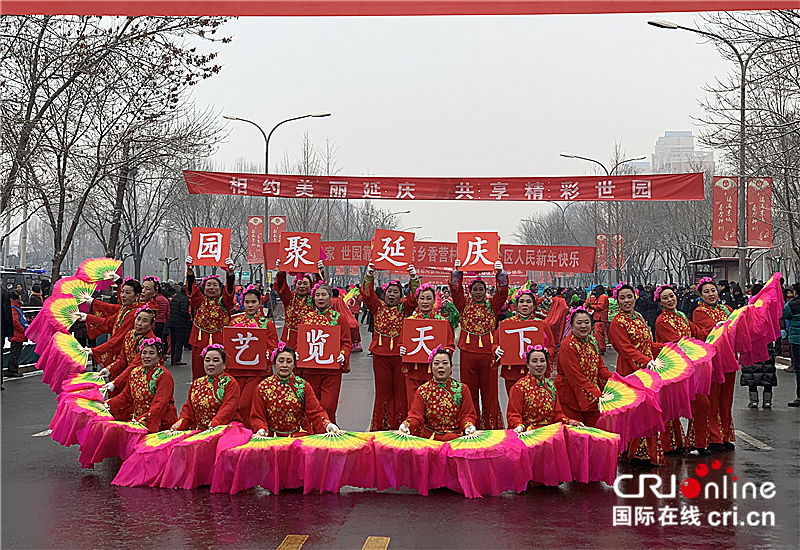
x=675, y=154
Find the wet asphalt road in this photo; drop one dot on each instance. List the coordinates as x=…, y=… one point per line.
x=48, y=501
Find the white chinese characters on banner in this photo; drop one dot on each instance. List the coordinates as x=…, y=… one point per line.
x=476, y=251
x=316, y=338
x=524, y=341
x=243, y=344
x=297, y=250
x=420, y=340
x=393, y=249
x=210, y=246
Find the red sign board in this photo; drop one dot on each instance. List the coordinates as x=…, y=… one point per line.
x=725, y=202
x=318, y=346
x=277, y=225
x=478, y=251
x=618, y=251
x=602, y=251
x=246, y=348
x=392, y=249
x=255, y=239
x=759, y=212
x=210, y=245
x=516, y=336
x=353, y=270
x=340, y=270
x=299, y=251
x=420, y=336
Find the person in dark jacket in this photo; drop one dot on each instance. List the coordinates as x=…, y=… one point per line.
x=179, y=322
x=736, y=298
x=7, y=324
x=36, y=296
x=647, y=307
x=18, y=338
x=791, y=314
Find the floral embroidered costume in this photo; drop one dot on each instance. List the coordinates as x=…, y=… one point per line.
x=295, y=307
x=417, y=374
x=581, y=377
x=391, y=405
x=287, y=407
x=116, y=321
x=720, y=420
x=212, y=401
x=478, y=369
x=533, y=403
x=249, y=379
x=147, y=398
x=209, y=316
x=441, y=410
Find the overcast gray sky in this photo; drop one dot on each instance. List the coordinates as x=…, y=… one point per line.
x=460, y=96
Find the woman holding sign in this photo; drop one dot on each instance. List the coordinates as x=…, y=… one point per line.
x=249, y=379
x=418, y=372
x=211, y=311
x=297, y=303
x=317, y=353
x=526, y=330
x=478, y=321
x=390, y=406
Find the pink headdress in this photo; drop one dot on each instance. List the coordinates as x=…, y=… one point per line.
x=703, y=281
x=206, y=279
x=145, y=307
x=519, y=293
x=149, y=342
x=574, y=310
x=390, y=283
x=315, y=287
x=537, y=347
x=249, y=288
x=281, y=346
x=210, y=347
x=426, y=286
x=436, y=350
x=659, y=290
x=477, y=279
x=151, y=278
x=616, y=288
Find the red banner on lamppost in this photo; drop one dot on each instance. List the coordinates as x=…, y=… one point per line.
x=759, y=213
x=602, y=251
x=725, y=198
x=617, y=251
x=277, y=225
x=255, y=239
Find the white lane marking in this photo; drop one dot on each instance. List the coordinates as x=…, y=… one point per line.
x=42, y=433
x=753, y=441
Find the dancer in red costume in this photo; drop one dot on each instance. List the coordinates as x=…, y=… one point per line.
x=116, y=320
x=297, y=303
x=706, y=316
x=478, y=321
x=597, y=304
x=391, y=406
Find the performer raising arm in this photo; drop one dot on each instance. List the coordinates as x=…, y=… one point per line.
x=296, y=304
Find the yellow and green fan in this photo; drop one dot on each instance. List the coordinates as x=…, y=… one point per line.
x=62, y=358
x=61, y=310
x=672, y=364
x=75, y=286
x=399, y=440
x=333, y=460
x=650, y=379
x=695, y=349
x=540, y=435
x=629, y=408
x=95, y=270
x=403, y=460
x=619, y=396
x=483, y=444
x=83, y=381
x=596, y=433
x=678, y=391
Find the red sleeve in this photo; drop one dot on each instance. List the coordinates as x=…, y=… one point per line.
x=466, y=414
x=282, y=288
x=514, y=410
x=416, y=414
x=457, y=293
x=314, y=411
x=106, y=309
x=104, y=324
x=695, y=331
x=227, y=291
x=230, y=404
x=601, y=306
x=705, y=324
x=622, y=343
x=258, y=412
x=119, y=366
x=603, y=374
x=568, y=364
x=121, y=380
x=665, y=332
x=499, y=299
x=121, y=403
x=165, y=386
x=371, y=300
x=193, y=291
x=656, y=347
x=410, y=303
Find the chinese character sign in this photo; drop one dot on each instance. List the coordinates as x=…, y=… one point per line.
x=392, y=249
x=478, y=251
x=515, y=337
x=277, y=225
x=255, y=239
x=210, y=245
x=318, y=346
x=759, y=212
x=299, y=251
x=420, y=336
x=246, y=348
x=726, y=207
x=617, y=251
x=602, y=251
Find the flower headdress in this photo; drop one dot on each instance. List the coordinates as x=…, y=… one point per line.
x=426, y=286
x=436, y=350
x=574, y=310
x=537, y=347
x=210, y=347
x=145, y=307
x=315, y=287
x=659, y=290
x=477, y=279
x=390, y=283
x=206, y=279
x=150, y=342
x=703, y=281
x=151, y=278
x=616, y=288
x=281, y=346
x=518, y=294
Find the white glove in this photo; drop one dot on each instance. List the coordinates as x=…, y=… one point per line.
x=652, y=364
x=469, y=430
x=457, y=264
x=86, y=297
x=88, y=351
x=499, y=352
x=720, y=323
x=519, y=429
x=340, y=359
x=261, y=432
x=370, y=269
x=402, y=350
x=108, y=388
x=412, y=271
x=599, y=405
x=228, y=264
x=277, y=265
x=108, y=275
x=320, y=265
x=404, y=429
x=332, y=428
x=189, y=260
x=77, y=316
x=104, y=372
x=498, y=265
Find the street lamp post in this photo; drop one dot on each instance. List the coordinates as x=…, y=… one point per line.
x=744, y=61
x=266, y=153
x=608, y=174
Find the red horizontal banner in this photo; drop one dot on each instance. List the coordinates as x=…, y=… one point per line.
x=299, y=8
x=516, y=258
x=654, y=187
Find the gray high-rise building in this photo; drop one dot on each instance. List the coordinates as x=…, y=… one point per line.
x=675, y=154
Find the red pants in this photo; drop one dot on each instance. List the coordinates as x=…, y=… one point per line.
x=697, y=431
x=480, y=376
x=247, y=385
x=672, y=436
x=647, y=449
x=589, y=418
x=600, y=335
x=720, y=422
x=390, y=406
x=326, y=386
x=197, y=363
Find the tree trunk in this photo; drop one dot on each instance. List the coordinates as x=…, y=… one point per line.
x=116, y=223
